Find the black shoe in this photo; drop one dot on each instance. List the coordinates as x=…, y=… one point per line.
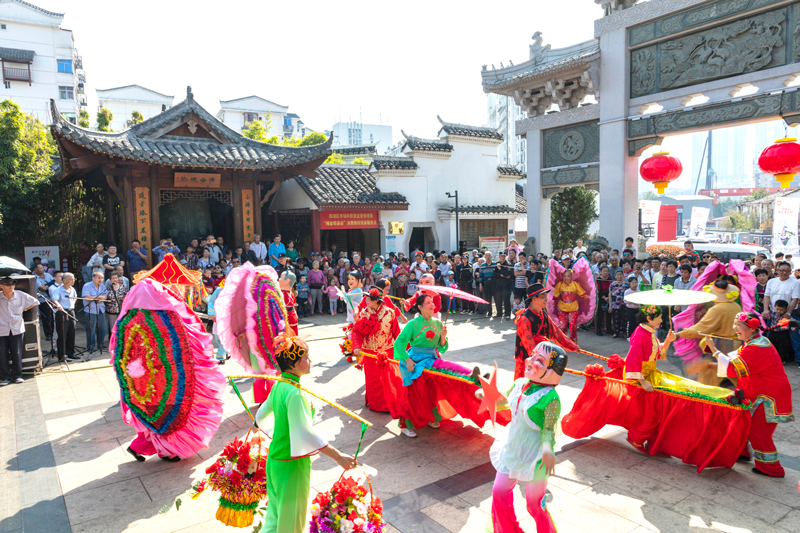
x=744, y=459
x=140, y=458
x=598, y=333
x=220, y=361
x=73, y=358
x=171, y=459
x=760, y=473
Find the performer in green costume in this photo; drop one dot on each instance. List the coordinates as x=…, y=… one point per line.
x=287, y=418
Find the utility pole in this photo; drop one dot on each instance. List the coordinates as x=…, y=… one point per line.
x=458, y=242
x=710, y=174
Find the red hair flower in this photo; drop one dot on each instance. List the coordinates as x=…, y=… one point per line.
x=430, y=334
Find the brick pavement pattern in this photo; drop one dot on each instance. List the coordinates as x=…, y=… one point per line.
x=62, y=451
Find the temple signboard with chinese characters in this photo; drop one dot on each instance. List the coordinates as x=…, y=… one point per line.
x=199, y=181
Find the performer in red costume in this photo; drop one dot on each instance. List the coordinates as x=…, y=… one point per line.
x=761, y=377
x=535, y=326
x=287, y=281
x=375, y=330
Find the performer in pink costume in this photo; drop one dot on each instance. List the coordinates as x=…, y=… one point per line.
x=574, y=299
x=170, y=383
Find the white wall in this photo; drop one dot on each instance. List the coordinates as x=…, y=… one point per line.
x=471, y=169
x=29, y=29
x=234, y=119
x=291, y=196
x=121, y=112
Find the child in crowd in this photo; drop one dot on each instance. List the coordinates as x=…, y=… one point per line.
x=413, y=283
x=449, y=281
x=631, y=309
x=402, y=285
x=762, y=276
x=208, y=281
x=302, y=297
x=517, y=306
x=616, y=296
x=333, y=297
x=701, y=267
x=779, y=337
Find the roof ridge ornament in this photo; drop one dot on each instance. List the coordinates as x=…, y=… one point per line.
x=189, y=94
x=612, y=6
x=538, y=53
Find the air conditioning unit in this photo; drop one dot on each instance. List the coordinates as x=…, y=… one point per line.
x=80, y=87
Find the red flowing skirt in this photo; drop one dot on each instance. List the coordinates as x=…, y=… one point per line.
x=451, y=395
x=699, y=432
x=374, y=396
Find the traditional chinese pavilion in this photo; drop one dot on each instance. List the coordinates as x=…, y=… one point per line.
x=181, y=174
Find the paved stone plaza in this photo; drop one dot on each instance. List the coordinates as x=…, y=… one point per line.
x=62, y=447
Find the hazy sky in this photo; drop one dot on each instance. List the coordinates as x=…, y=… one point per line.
x=403, y=62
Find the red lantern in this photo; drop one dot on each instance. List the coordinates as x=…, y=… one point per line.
x=782, y=160
x=660, y=169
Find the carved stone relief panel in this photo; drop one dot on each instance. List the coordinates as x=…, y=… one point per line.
x=570, y=176
x=746, y=45
x=692, y=18
x=574, y=144
x=744, y=110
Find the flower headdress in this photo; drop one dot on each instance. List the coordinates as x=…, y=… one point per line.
x=290, y=347
x=651, y=309
x=374, y=294
x=750, y=321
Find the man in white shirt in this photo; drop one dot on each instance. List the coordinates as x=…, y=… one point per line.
x=655, y=272
x=578, y=248
x=258, y=248
x=12, y=328
x=784, y=287
x=419, y=267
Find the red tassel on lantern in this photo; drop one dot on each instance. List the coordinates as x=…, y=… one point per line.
x=660, y=169
x=782, y=160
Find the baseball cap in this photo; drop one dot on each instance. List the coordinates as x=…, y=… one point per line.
x=429, y=254
x=281, y=256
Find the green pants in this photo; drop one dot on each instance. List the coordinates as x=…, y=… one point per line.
x=288, y=487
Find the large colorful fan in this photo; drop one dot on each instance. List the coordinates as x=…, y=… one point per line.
x=250, y=314
x=170, y=384
x=689, y=349
x=186, y=284
x=583, y=276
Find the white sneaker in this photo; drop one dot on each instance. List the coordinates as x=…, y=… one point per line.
x=472, y=312
x=408, y=433
x=434, y=425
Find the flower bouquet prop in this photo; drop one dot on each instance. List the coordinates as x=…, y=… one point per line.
x=349, y=507
x=670, y=251
x=240, y=476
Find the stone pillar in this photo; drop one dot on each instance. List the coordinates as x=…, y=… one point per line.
x=238, y=229
x=619, y=206
x=538, y=206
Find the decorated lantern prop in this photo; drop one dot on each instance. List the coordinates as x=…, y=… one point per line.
x=782, y=160
x=660, y=169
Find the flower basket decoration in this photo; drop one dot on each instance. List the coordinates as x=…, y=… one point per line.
x=349, y=507
x=239, y=475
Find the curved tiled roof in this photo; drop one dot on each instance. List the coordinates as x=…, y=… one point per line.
x=537, y=70
x=354, y=149
x=394, y=163
x=426, y=145
x=18, y=54
x=469, y=131
x=509, y=171
x=235, y=151
x=37, y=8
x=347, y=184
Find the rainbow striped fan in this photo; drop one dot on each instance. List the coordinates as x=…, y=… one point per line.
x=271, y=315
x=155, y=368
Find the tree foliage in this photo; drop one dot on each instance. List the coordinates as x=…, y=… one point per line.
x=737, y=221
x=335, y=159
x=722, y=208
x=571, y=213
x=34, y=206
x=757, y=195
x=136, y=118
x=104, y=118
x=650, y=195
x=255, y=130
x=360, y=161
x=84, y=119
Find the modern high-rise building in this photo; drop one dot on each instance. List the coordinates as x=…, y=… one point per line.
x=502, y=116
x=39, y=61
x=357, y=133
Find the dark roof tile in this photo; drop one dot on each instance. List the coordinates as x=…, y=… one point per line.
x=346, y=184
x=509, y=171
x=522, y=203
x=394, y=163
x=462, y=130
x=418, y=144
x=17, y=54
x=354, y=149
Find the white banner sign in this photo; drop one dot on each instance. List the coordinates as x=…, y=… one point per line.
x=784, y=226
x=699, y=220
x=650, y=210
x=43, y=252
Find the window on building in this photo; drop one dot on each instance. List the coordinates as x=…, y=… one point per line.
x=3, y=27
x=287, y=121
x=250, y=117
x=65, y=66
x=66, y=93
x=7, y=84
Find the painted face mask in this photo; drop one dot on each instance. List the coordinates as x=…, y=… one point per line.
x=546, y=364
